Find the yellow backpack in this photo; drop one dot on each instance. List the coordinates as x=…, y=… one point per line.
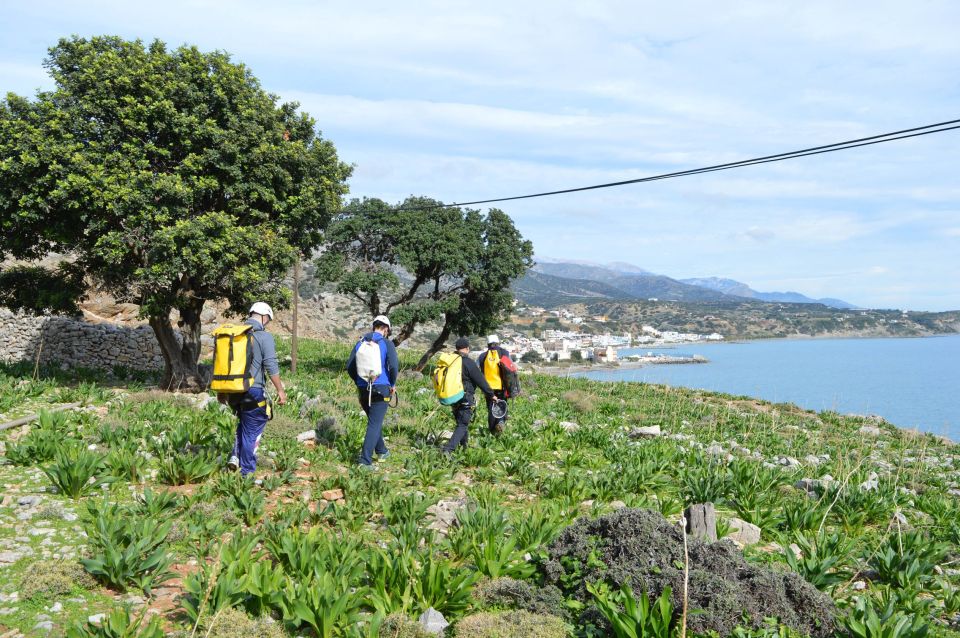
x=491, y=370
x=232, y=356
x=448, y=378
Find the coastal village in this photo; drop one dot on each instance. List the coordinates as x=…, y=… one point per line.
x=569, y=343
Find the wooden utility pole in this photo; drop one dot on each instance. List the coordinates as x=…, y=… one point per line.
x=296, y=307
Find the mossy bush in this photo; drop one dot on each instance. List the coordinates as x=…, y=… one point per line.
x=509, y=593
x=400, y=626
x=233, y=623
x=51, y=578
x=642, y=548
x=510, y=624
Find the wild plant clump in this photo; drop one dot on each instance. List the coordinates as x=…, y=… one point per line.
x=642, y=549
x=510, y=624
x=509, y=593
x=399, y=626
x=234, y=623
x=51, y=578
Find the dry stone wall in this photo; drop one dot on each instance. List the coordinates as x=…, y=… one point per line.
x=74, y=343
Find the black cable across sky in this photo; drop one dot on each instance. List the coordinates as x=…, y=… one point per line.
x=917, y=131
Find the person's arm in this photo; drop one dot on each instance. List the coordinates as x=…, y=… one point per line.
x=393, y=364
x=272, y=367
x=352, y=365
x=473, y=370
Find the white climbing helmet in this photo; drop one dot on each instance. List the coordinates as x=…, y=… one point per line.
x=262, y=308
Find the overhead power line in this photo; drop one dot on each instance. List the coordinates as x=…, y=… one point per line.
x=917, y=131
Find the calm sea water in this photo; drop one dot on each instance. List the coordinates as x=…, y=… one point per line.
x=913, y=383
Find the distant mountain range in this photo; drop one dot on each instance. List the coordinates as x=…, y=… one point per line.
x=553, y=282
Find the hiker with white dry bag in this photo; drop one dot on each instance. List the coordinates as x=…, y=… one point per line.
x=373, y=366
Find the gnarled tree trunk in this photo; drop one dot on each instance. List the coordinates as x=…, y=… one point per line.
x=434, y=348
x=180, y=356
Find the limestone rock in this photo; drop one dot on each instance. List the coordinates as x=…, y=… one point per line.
x=870, y=430
x=649, y=431
x=433, y=621
x=743, y=533
x=309, y=435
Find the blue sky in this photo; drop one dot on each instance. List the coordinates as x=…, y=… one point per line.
x=464, y=101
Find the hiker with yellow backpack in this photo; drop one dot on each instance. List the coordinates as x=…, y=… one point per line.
x=500, y=372
x=455, y=379
x=244, y=355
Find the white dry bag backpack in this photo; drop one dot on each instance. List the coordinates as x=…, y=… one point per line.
x=369, y=363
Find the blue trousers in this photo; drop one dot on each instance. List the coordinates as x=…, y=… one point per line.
x=375, y=407
x=252, y=422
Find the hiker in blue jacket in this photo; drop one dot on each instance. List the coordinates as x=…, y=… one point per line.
x=375, y=397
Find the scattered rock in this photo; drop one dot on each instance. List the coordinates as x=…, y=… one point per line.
x=870, y=430
x=715, y=450
x=788, y=461
x=309, y=435
x=433, y=621
x=8, y=558
x=538, y=424
x=569, y=426
x=617, y=505
x=743, y=533
x=649, y=431
x=303, y=462
x=812, y=460
x=444, y=514
x=332, y=495
x=859, y=585
x=872, y=483
x=44, y=625
x=96, y=619
x=29, y=501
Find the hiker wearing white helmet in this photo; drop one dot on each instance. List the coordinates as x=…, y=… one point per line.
x=373, y=366
x=497, y=369
x=251, y=406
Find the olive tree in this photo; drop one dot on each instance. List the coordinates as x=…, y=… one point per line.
x=169, y=178
x=421, y=262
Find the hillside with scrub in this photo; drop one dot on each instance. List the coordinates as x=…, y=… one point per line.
x=118, y=518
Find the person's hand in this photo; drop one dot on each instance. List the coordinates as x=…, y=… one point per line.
x=282, y=397
x=393, y=390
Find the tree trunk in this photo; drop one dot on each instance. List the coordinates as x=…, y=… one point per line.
x=434, y=348
x=180, y=357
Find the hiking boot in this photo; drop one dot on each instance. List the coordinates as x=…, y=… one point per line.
x=383, y=457
x=233, y=464
x=367, y=468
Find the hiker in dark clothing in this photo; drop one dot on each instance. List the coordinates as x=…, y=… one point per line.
x=491, y=362
x=463, y=411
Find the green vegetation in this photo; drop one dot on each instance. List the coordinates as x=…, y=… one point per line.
x=170, y=177
x=534, y=541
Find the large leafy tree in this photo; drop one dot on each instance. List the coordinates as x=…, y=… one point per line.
x=420, y=262
x=170, y=178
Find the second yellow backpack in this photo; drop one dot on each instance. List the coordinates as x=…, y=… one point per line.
x=232, y=357
x=448, y=378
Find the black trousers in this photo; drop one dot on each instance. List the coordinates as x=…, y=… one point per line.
x=463, y=415
x=494, y=424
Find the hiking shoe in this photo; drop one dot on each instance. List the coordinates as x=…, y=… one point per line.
x=383, y=457
x=233, y=464
x=367, y=468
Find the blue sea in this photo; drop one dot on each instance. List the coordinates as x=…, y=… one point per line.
x=913, y=383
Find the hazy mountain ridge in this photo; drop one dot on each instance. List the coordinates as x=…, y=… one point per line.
x=634, y=282
x=740, y=289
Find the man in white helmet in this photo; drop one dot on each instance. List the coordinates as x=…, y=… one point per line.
x=496, y=364
x=251, y=406
x=373, y=366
